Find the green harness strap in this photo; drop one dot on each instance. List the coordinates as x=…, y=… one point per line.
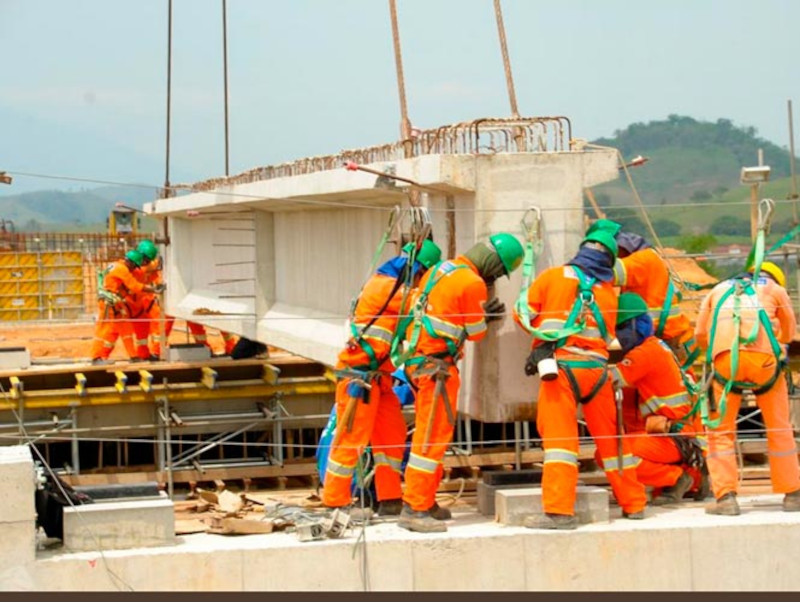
x=666, y=308
x=576, y=320
x=420, y=320
x=740, y=287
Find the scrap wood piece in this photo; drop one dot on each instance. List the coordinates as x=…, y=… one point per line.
x=188, y=526
x=229, y=502
x=208, y=496
x=239, y=526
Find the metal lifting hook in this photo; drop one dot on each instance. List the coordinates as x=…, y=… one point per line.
x=420, y=225
x=766, y=208
x=533, y=229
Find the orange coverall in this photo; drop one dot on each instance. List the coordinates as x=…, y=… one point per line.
x=650, y=370
x=455, y=310
x=757, y=364
x=378, y=418
x=645, y=273
x=114, y=318
x=550, y=299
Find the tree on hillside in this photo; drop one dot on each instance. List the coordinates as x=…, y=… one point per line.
x=666, y=227
x=628, y=219
x=729, y=225
x=679, y=131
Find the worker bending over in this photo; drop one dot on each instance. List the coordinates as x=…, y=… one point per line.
x=656, y=407
x=367, y=410
x=573, y=308
x=642, y=270
x=114, y=299
x=454, y=297
x=744, y=322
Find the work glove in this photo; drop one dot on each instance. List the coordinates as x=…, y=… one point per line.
x=656, y=424
x=159, y=288
x=494, y=309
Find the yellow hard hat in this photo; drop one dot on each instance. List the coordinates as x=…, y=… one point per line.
x=774, y=271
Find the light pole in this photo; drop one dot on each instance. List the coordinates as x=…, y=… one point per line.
x=754, y=176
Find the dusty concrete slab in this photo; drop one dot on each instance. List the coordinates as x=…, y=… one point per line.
x=668, y=551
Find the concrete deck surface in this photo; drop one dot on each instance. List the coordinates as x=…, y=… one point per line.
x=673, y=549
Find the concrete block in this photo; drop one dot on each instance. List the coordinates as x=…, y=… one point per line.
x=118, y=525
x=14, y=358
x=486, y=495
x=17, y=543
x=189, y=352
x=512, y=506
x=17, y=484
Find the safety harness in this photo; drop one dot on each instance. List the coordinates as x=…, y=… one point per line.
x=576, y=320
x=742, y=288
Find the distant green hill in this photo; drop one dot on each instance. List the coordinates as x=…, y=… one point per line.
x=56, y=210
x=690, y=184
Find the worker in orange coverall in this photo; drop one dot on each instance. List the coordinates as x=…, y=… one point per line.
x=367, y=409
x=656, y=407
x=573, y=308
x=454, y=295
x=728, y=316
x=114, y=305
x=148, y=312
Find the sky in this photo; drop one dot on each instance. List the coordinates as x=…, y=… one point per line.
x=83, y=82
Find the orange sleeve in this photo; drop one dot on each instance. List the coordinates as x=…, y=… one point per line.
x=785, y=315
x=635, y=365
x=475, y=295
x=701, y=331
x=130, y=281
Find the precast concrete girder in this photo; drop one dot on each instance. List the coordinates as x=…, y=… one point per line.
x=280, y=260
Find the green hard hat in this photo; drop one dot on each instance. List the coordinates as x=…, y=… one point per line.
x=605, y=237
x=134, y=257
x=428, y=255
x=148, y=249
x=605, y=224
x=630, y=306
x=509, y=249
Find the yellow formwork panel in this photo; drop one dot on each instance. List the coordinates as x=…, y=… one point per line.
x=62, y=272
x=17, y=273
x=62, y=258
x=61, y=300
x=11, y=315
x=63, y=286
x=19, y=288
x=19, y=301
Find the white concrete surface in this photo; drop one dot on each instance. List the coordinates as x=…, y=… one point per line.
x=512, y=506
x=18, y=506
x=16, y=358
x=280, y=260
x=673, y=549
x=115, y=524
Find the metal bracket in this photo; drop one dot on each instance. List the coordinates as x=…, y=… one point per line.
x=310, y=531
x=17, y=387
x=209, y=377
x=122, y=382
x=145, y=381
x=271, y=374
x=80, y=384
x=336, y=524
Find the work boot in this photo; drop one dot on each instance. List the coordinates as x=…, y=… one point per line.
x=791, y=501
x=419, y=521
x=725, y=506
x=440, y=513
x=562, y=522
x=704, y=489
x=674, y=493
x=639, y=515
x=390, y=507
x=99, y=361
